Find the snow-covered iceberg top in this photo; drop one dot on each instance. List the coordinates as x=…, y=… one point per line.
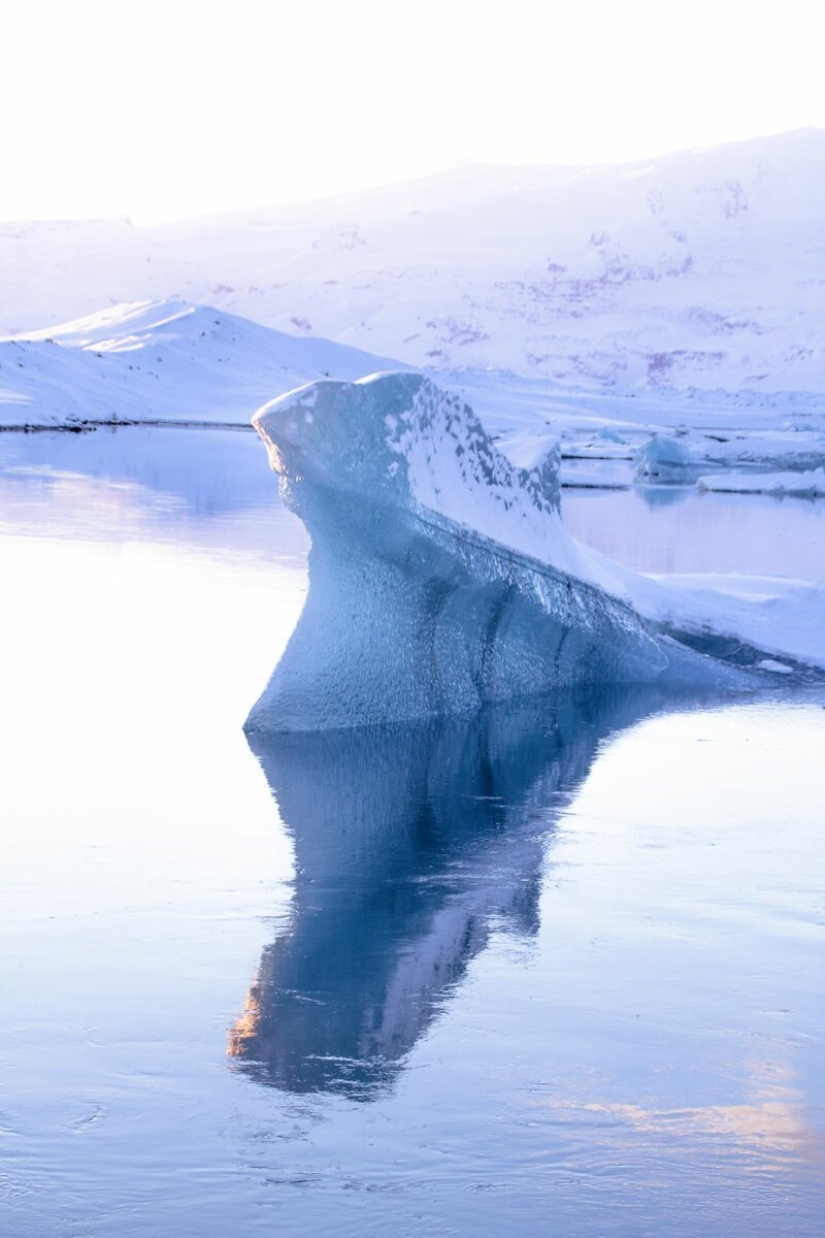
x=441, y=574
x=400, y=437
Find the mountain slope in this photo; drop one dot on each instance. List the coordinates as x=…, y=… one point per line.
x=700, y=269
x=161, y=361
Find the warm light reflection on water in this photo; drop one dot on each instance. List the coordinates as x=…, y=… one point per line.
x=774, y=1134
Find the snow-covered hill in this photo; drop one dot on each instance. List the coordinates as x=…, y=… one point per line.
x=701, y=269
x=161, y=361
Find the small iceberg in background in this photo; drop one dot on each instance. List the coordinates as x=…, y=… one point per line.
x=664, y=458
x=442, y=577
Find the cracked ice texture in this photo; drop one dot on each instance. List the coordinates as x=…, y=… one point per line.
x=441, y=575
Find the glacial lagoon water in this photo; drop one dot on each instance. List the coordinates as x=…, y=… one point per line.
x=559, y=971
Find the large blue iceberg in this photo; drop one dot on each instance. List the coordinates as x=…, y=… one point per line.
x=441, y=575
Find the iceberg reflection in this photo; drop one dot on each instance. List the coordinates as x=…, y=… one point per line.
x=411, y=843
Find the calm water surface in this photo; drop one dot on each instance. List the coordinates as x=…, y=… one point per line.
x=556, y=972
x=682, y=529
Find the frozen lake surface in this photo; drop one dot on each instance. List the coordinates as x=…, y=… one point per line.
x=559, y=971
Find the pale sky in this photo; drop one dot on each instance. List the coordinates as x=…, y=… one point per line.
x=170, y=109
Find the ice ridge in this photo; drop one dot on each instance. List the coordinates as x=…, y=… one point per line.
x=441, y=575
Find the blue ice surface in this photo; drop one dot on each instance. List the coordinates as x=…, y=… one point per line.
x=414, y=612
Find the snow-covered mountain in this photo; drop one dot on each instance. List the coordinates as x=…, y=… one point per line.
x=701, y=269
x=164, y=361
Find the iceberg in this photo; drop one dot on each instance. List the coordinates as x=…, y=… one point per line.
x=441, y=575
x=664, y=458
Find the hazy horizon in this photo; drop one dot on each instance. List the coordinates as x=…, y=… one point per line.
x=171, y=113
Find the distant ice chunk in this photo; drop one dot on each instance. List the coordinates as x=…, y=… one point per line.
x=664, y=458
x=681, y=457
x=610, y=434
x=808, y=484
x=794, y=450
x=441, y=575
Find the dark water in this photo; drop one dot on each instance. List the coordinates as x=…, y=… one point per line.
x=556, y=971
